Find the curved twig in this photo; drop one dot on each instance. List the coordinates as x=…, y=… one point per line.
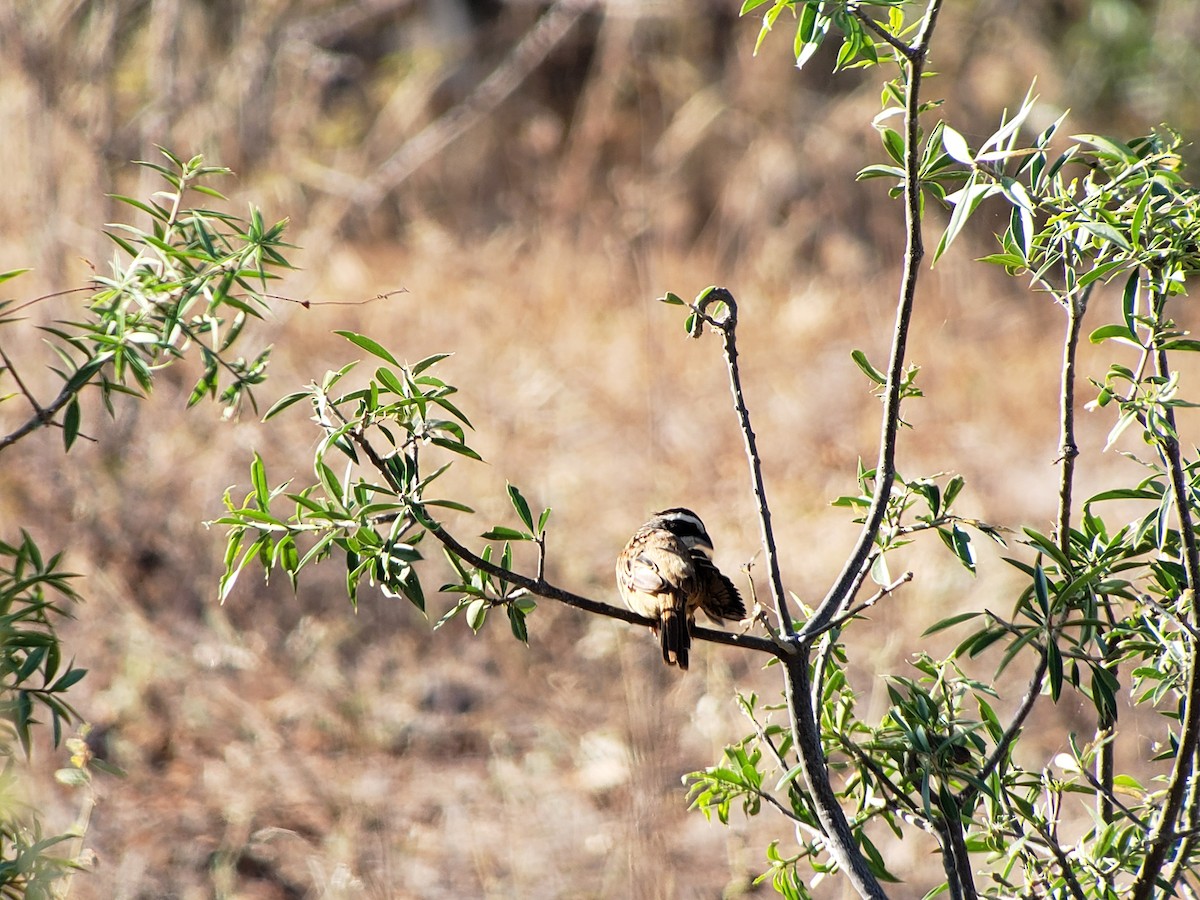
x=728, y=328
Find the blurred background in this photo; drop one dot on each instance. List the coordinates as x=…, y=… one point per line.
x=532, y=176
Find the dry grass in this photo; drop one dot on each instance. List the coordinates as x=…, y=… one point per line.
x=287, y=747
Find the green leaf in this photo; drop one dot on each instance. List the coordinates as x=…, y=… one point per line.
x=70, y=677
x=366, y=343
x=672, y=298
x=893, y=143
x=1041, y=589
x=516, y=621
x=1105, y=232
x=1113, y=332
x=966, y=201
x=284, y=402
x=950, y=622
x=456, y=446
x=418, y=368
x=1186, y=344
x=956, y=146
x=500, y=533
x=521, y=506
x=959, y=542
x=477, y=613
x=71, y=420
x=879, y=171
x=258, y=477
x=860, y=360
x=12, y=273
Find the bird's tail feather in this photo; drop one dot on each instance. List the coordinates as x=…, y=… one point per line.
x=675, y=638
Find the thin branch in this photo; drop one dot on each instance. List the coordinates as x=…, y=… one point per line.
x=50, y=296
x=914, y=253
x=21, y=386
x=1187, y=842
x=766, y=739
x=884, y=591
x=550, y=592
x=883, y=34
x=829, y=639
x=728, y=328
x=956, y=858
x=1032, y=692
x=41, y=418
x=1160, y=841
x=1068, y=450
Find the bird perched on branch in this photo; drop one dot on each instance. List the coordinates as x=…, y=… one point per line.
x=666, y=573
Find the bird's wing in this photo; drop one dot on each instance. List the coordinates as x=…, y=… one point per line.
x=664, y=566
x=719, y=598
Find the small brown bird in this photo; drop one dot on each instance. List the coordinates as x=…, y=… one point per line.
x=666, y=573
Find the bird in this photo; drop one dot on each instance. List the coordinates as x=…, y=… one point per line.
x=666, y=574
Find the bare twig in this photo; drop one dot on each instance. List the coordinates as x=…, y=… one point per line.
x=728, y=328
x=21, y=386
x=843, y=617
x=1068, y=451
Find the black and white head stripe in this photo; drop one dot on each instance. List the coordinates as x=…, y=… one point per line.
x=685, y=525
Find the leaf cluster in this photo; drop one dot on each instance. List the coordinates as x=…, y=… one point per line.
x=371, y=501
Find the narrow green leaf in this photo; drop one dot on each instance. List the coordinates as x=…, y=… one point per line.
x=516, y=621
x=371, y=346
x=521, y=506
x=1186, y=344
x=966, y=201
x=456, y=447
x=860, y=360
x=71, y=420
x=284, y=402
x=500, y=533
x=418, y=368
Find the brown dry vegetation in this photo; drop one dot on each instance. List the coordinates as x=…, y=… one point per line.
x=285, y=746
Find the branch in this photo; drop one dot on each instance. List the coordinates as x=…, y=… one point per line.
x=1162, y=837
x=1032, y=692
x=550, y=592
x=885, y=470
x=1068, y=451
x=806, y=734
x=883, y=34
x=43, y=415
x=728, y=328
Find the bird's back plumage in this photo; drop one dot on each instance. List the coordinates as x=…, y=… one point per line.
x=665, y=573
